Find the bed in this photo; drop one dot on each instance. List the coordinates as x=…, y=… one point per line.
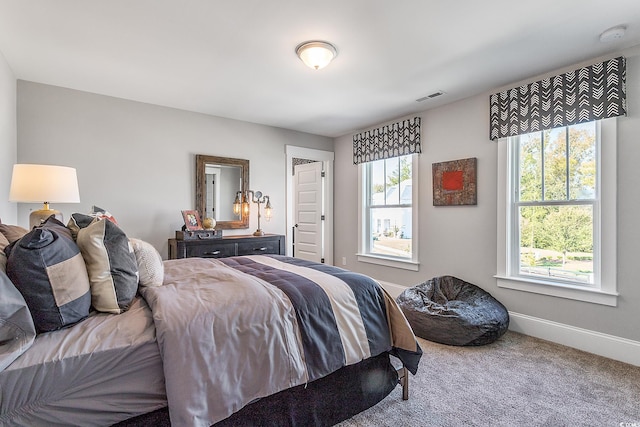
x=267, y=340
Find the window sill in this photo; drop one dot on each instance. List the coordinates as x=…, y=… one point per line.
x=389, y=262
x=595, y=296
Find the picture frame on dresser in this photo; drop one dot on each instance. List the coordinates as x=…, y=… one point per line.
x=192, y=221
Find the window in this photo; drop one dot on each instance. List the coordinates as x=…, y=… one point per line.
x=387, y=213
x=558, y=212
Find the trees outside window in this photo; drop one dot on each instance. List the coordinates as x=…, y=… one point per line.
x=556, y=202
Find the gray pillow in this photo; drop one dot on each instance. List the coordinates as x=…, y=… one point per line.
x=17, y=330
x=47, y=268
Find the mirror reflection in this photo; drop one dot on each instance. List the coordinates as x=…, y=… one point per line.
x=218, y=179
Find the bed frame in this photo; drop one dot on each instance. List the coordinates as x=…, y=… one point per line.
x=319, y=403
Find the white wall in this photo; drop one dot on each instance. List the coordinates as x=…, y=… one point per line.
x=138, y=160
x=8, y=211
x=461, y=241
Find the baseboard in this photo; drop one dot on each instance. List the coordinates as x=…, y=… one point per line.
x=610, y=346
x=605, y=345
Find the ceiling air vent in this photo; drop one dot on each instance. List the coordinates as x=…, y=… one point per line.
x=433, y=95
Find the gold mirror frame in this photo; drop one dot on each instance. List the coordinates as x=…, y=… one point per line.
x=201, y=163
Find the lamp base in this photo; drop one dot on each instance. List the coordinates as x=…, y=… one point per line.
x=38, y=217
x=258, y=232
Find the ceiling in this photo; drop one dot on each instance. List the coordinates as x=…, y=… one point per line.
x=236, y=59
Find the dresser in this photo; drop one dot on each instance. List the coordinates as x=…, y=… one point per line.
x=227, y=246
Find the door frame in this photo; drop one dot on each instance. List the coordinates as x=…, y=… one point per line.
x=327, y=158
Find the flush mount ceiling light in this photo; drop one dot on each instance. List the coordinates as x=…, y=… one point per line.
x=316, y=54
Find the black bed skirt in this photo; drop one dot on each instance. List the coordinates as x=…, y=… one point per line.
x=323, y=402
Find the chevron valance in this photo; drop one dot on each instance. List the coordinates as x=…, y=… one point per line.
x=590, y=93
x=394, y=140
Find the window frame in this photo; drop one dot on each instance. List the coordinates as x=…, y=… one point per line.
x=364, y=254
x=604, y=289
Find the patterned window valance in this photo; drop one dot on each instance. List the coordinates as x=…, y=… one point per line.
x=395, y=140
x=590, y=93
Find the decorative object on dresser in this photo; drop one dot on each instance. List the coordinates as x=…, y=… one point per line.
x=194, y=230
x=192, y=220
x=43, y=184
x=198, y=234
x=227, y=246
x=241, y=206
x=209, y=223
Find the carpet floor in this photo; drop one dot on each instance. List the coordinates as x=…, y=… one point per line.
x=516, y=381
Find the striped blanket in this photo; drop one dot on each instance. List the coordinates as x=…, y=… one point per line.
x=233, y=330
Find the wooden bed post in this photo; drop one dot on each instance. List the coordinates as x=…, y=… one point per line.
x=403, y=379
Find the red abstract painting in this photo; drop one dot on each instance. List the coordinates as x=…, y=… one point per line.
x=453, y=180
x=454, y=183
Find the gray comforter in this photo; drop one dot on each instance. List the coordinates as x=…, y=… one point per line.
x=237, y=329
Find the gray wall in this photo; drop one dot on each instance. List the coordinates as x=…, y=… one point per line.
x=138, y=160
x=461, y=241
x=8, y=211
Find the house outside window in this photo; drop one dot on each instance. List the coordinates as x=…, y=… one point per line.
x=556, y=210
x=388, y=212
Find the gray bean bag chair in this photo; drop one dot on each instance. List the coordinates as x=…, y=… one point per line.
x=451, y=311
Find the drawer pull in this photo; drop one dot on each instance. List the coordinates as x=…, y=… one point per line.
x=205, y=236
x=212, y=253
x=262, y=249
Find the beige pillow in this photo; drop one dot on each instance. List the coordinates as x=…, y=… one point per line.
x=16, y=233
x=12, y=232
x=4, y=242
x=111, y=264
x=150, y=266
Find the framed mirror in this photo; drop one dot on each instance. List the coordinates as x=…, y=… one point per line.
x=217, y=181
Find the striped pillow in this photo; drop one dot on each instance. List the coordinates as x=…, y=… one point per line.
x=47, y=268
x=110, y=261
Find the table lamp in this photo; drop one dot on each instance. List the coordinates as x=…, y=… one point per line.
x=43, y=184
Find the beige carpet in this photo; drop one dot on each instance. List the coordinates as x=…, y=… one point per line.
x=515, y=381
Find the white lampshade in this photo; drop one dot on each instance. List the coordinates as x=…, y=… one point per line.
x=316, y=54
x=43, y=184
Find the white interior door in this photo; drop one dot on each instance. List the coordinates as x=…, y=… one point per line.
x=308, y=213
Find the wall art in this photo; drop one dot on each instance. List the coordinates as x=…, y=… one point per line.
x=455, y=183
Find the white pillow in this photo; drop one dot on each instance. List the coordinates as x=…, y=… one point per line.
x=150, y=266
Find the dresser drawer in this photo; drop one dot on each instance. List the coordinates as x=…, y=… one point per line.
x=227, y=246
x=259, y=247
x=219, y=250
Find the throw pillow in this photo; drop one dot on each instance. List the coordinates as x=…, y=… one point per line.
x=3, y=258
x=12, y=232
x=3, y=242
x=47, y=268
x=150, y=266
x=17, y=331
x=77, y=222
x=111, y=264
x=97, y=212
x=3, y=262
